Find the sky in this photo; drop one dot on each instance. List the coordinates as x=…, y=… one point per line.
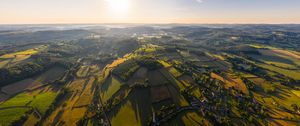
x=149, y=11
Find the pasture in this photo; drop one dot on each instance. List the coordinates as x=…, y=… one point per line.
x=109, y=88
x=7, y=116
x=18, y=57
x=41, y=101
x=174, y=72
x=135, y=111
x=83, y=71
x=49, y=76
x=126, y=69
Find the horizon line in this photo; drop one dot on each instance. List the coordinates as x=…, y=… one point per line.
x=150, y=24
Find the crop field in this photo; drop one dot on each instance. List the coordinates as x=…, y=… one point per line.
x=17, y=57
x=216, y=56
x=174, y=72
x=83, y=71
x=7, y=116
x=296, y=92
x=20, y=86
x=133, y=112
x=87, y=94
x=156, y=78
x=227, y=82
x=188, y=118
x=40, y=101
x=31, y=120
x=295, y=74
x=4, y=63
x=285, y=97
x=109, y=87
x=270, y=58
x=286, y=53
x=71, y=117
x=288, y=59
x=139, y=76
x=126, y=116
x=172, y=80
x=34, y=82
x=164, y=63
x=126, y=69
x=77, y=85
x=176, y=96
x=231, y=81
x=196, y=92
x=188, y=56
x=186, y=80
x=159, y=93
x=263, y=84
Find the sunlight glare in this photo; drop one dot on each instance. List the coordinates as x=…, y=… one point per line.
x=118, y=7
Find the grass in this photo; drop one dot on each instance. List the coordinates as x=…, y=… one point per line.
x=231, y=81
x=21, y=56
x=156, y=78
x=83, y=71
x=188, y=118
x=31, y=120
x=133, y=112
x=34, y=82
x=19, y=100
x=126, y=116
x=296, y=92
x=173, y=80
x=4, y=63
x=126, y=69
x=220, y=57
x=26, y=52
x=40, y=101
x=43, y=101
x=110, y=87
x=164, y=63
x=174, y=72
x=87, y=95
x=295, y=74
x=7, y=116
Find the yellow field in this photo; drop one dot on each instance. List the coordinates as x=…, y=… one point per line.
x=216, y=56
x=87, y=95
x=286, y=53
x=4, y=63
x=110, y=87
x=31, y=120
x=126, y=116
x=26, y=52
x=188, y=118
x=20, y=56
x=164, y=63
x=295, y=74
x=83, y=71
x=174, y=72
x=296, y=92
x=237, y=83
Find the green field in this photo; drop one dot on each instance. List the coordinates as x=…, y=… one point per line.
x=126, y=69
x=7, y=116
x=109, y=88
x=41, y=101
x=295, y=74
x=188, y=118
x=133, y=112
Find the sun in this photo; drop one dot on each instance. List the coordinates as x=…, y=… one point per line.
x=118, y=7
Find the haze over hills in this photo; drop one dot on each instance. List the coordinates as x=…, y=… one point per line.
x=142, y=74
